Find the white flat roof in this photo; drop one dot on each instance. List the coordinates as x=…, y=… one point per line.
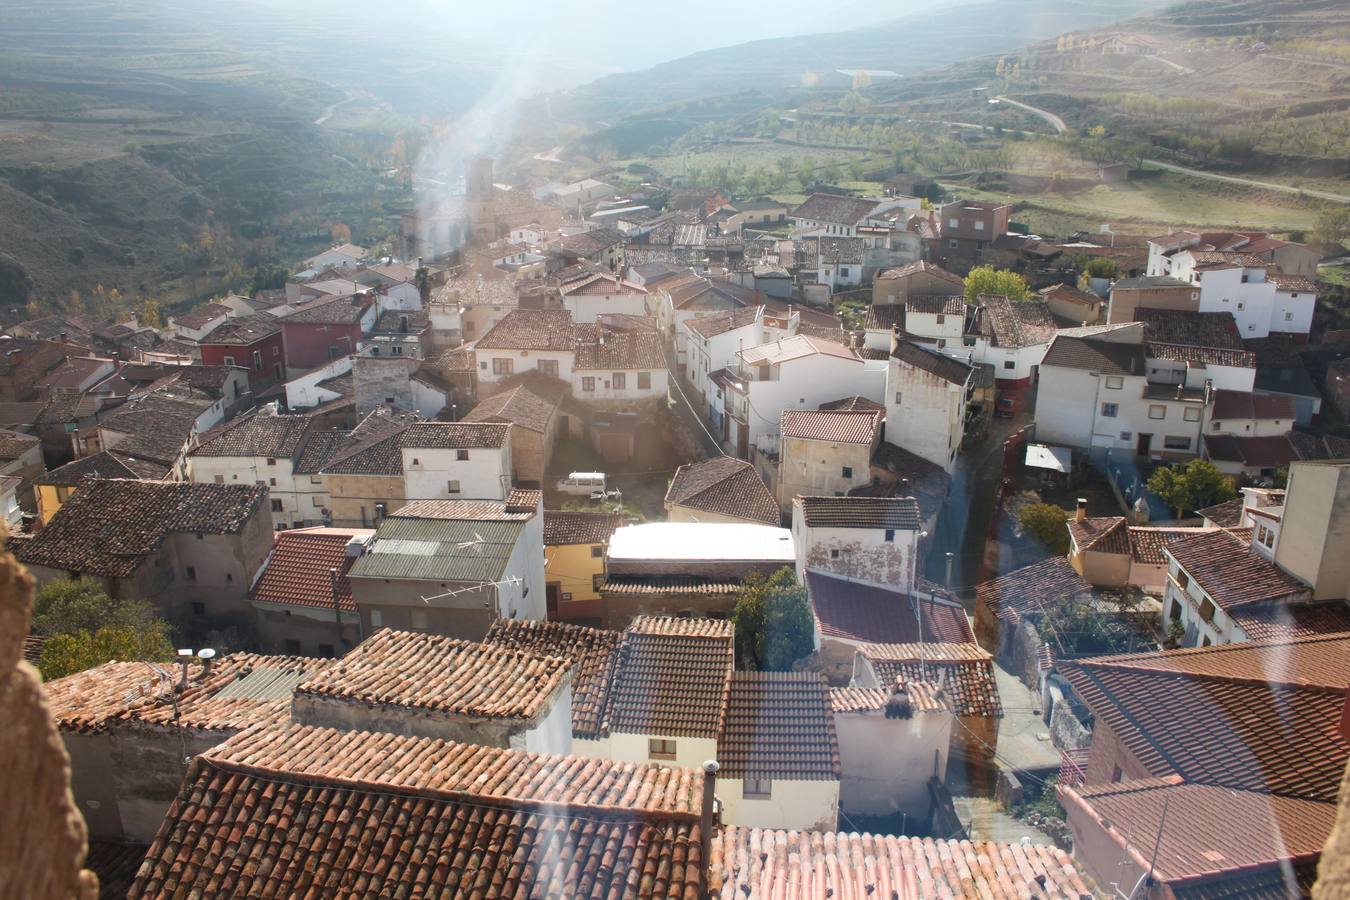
x=702, y=541
x=1056, y=459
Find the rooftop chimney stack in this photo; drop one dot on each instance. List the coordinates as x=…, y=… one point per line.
x=184, y=659
x=705, y=822
x=1080, y=513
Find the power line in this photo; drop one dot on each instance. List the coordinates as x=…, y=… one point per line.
x=675, y=382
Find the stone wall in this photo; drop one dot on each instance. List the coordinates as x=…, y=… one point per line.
x=378, y=379
x=621, y=608
x=308, y=709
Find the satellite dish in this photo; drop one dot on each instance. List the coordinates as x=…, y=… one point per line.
x=206, y=653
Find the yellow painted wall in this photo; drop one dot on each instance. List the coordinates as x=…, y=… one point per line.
x=49, y=498
x=573, y=565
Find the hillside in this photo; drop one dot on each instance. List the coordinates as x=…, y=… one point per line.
x=164, y=149
x=1247, y=85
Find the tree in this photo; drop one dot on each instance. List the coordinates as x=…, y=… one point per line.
x=340, y=233
x=773, y=622
x=1047, y=524
x=423, y=280
x=84, y=627
x=1101, y=267
x=1192, y=486
x=1333, y=224
x=988, y=280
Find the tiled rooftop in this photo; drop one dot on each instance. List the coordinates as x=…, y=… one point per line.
x=756, y=864
x=1024, y=590
x=590, y=650
x=865, y=613
x=891, y=513
x=965, y=672
x=726, y=486
x=106, y=464
x=298, y=571
x=1022, y=324
x=621, y=350
x=316, y=806
x=1288, y=621
x=1229, y=571
x=672, y=678
x=531, y=329
x=441, y=675
x=578, y=527
x=259, y=434
x=830, y=425
x=1261, y=717
x=110, y=526
x=1106, y=534
x=779, y=725
x=720, y=323
x=1087, y=354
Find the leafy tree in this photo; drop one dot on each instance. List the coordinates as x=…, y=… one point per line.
x=1046, y=523
x=988, y=280
x=267, y=278
x=423, y=280
x=1101, y=267
x=1333, y=224
x=1192, y=486
x=71, y=652
x=773, y=622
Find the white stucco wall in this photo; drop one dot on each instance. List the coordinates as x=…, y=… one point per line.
x=795, y=805
x=887, y=762
x=929, y=420
x=485, y=475
x=523, y=361
x=552, y=733
x=303, y=497
x=586, y=307
x=805, y=383
x=689, y=751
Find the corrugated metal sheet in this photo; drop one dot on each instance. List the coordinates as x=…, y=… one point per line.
x=439, y=550
x=263, y=683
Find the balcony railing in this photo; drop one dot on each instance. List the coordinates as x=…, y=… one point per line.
x=1073, y=766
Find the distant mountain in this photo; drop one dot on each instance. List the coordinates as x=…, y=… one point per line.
x=908, y=45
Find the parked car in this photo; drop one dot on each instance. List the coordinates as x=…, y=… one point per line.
x=584, y=484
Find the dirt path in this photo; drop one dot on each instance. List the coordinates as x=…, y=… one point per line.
x=1055, y=121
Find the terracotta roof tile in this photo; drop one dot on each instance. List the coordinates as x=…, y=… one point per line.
x=1147, y=545
x=531, y=329
x=439, y=674
x=667, y=584
x=894, y=513
x=1285, y=282
x=834, y=426
x=344, y=310
x=720, y=323
x=1261, y=717
x=579, y=527
x=620, y=350
x=1244, y=405
x=1287, y=621
x=796, y=347
x=256, y=435
x=937, y=304
x=933, y=362
x=591, y=652
x=305, y=811
x=1230, y=571
x=1106, y=357
x=865, y=613
x=1107, y=534
x=672, y=678
x=1022, y=590
x=1025, y=323
x=834, y=208
x=106, y=464
x=525, y=404
x=885, y=317
x=750, y=863
x=854, y=404
x=468, y=510
x=963, y=670
x=297, y=572
x=1225, y=515
x=110, y=526
x=726, y=486
x=779, y=725
x=242, y=331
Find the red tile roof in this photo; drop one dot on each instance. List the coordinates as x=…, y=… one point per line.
x=316, y=812
x=579, y=527
x=854, y=404
x=1285, y=621
x=779, y=725
x=757, y=864
x=720, y=323
x=834, y=426
x=933, y=362
x=1260, y=717
x=1105, y=534
x=531, y=329
x=865, y=613
x=434, y=673
x=726, y=486
x=621, y=350
x=298, y=571
x=900, y=513
x=1207, y=831
x=1230, y=571
x=1027, y=589
x=591, y=652
x=672, y=678
x=964, y=671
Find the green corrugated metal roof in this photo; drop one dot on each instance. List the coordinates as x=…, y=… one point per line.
x=263, y=683
x=439, y=550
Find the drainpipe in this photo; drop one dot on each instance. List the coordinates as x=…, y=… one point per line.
x=337, y=608
x=705, y=821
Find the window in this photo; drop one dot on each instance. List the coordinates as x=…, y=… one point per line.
x=597, y=551
x=953, y=223
x=843, y=272
x=979, y=225
x=1191, y=414
x=847, y=472
x=318, y=502
x=1116, y=774
x=953, y=244
x=1267, y=536
x=257, y=361
x=220, y=479
x=759, y=788
x=417, y=619
x=890, y=535
x=548, y=367
x=502, y=366
x=229, y=360
x=897, y=398
x=1174, y=613
x=1217, y=425
x=588, y=383
x=199, y=609
x=1010, y=364
x=1157, y=411
x=191, y=574
x=462, y=455
x=277, y=507
x=1242, y=305
x=483, y=365
x=1127, y=435
x=834, y=554
x=619, y=381
x=596, y=581
x=376, y=618
x=1183, y=580
x=1176, y=442
x=941, y=319
x=272, y=482
x=658, y=748
x=1110, y=410
x=644, y=381
x=271, y=461
x=1114, y=382
x=1207, y=610
x=452, y=486
x=1289, y=317
x=326, y=651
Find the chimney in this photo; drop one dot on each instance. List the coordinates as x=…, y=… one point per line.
x=1080, y=513
x=705, y=819
x=63, y=337
x=207, y=656
x=184, y=660
x=905, y=490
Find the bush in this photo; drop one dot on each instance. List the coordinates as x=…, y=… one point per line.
x=1047, y=523
x=773, y=622
x=84, y=627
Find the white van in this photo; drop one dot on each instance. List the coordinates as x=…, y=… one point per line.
x=585, y=484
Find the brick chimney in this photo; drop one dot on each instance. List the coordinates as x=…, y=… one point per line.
x=1080, y=513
